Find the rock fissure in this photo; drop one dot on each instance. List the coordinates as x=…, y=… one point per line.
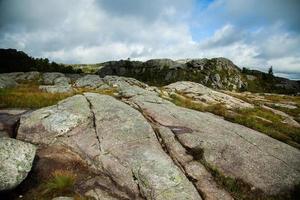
x=94, y=122
x=154, y=125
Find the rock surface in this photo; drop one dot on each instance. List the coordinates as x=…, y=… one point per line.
x=148, y=148
x=7, y=82
x=115, y=140
x=138, y=145
x=16, y=159
x=206, y=95
x=56, y=88
x=227, y=147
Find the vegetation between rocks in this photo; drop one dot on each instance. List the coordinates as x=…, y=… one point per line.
x=30, y=96
x=256, y=118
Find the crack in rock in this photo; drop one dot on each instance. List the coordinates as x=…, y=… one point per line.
x=94, y=122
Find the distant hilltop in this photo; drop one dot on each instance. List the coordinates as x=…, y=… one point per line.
x=218, y=73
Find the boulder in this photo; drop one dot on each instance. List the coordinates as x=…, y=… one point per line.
x=62, y=81
x=16, y=158
x=49, y=77
x=91, y=81
x=7, y=82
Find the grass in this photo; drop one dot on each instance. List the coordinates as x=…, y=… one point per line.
x=61, y=182
x=30, y=96
x=252, y=118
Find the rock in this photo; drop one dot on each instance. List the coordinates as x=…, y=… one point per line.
x=73, y=77
x=226, y=147
x=166, y=71
x=7, y=82
x=63, y=198
x=286, y=118
x=62, y=81
x=204, y=94
x=28, y=76
x=91, y=81
x=24, y=76
x=115, y=140
x=49, y=77
x=56, y=88
x=16, y=159
x=251, y=77
x=8, y=121
x=282, y=105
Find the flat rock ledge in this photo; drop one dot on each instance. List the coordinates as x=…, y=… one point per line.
x=141, y=146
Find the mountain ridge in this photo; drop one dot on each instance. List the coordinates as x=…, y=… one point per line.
x=217, y=73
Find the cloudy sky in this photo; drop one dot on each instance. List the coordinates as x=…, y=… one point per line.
x=252, y=33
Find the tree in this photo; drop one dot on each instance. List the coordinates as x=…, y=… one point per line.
x=270, y=71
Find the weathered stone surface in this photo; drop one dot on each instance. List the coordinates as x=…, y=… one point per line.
x=204, y=94
x=56, y=88
x=8, y=121
x=24, y=76
x=92, y=81
x=16, y=159
x=286, y=118
x=49, y=77
x=7, y=82
x=203, y=180
x=63, y=198
x=233, y=150
x=137, y=149
x=115, y=140
x=62, y=81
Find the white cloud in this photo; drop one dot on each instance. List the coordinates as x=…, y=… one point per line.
x=89, y=31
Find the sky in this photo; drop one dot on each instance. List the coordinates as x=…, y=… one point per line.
x=255, y=34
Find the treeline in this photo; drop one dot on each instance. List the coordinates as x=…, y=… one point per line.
x=12, y=60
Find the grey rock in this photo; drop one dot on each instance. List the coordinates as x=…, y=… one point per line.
x=16, y=159
x=234, y=150
x=91, y=81
x=62, y=81
x=206, y=95
x=114, y=139
x=63, y=198
x=8, y=121
x=56, y=88
x=6, y=82
x=49, y=77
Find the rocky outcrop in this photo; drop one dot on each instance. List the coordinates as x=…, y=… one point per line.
x=49, y=77
x=115, y=140
x=91, y=81
x=56, y=83
x=56, y=88
x=141, y=146
x=16, y=159
x=7, y=82
x=217, y=72
x=206, y=95
x=226, y=147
